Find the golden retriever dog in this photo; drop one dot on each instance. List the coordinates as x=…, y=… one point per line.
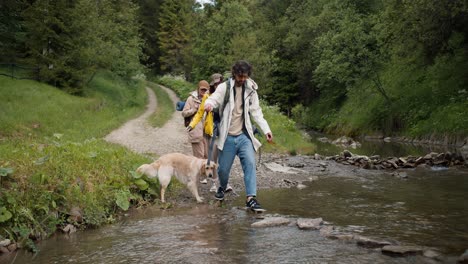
x=187, y=169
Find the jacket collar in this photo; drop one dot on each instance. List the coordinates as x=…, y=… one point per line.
x=250, y=84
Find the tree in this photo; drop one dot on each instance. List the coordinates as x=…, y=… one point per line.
x=149, y=12
x=174, y=36
x=11, y=30
x=348, y=52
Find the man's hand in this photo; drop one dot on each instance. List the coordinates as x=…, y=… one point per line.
x=269, y=137
x=189, y=128
x=208, y=108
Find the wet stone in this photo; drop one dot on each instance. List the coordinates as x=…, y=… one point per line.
x=325, y=231
x=431, y=254
x=463, y=258
x=370, y=243
x=309, y=223
x=402, y=250
x=272, y=221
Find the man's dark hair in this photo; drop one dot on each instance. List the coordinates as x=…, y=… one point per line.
x=241, y=67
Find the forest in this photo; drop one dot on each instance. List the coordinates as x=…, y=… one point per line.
x=355, y=67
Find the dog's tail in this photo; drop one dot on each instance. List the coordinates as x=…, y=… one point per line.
x=150, y=170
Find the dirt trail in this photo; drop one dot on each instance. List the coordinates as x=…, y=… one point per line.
x=140, y=137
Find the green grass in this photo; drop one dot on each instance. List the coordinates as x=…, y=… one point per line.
x=33, y=109
x=53, y=159
x=181, y=87
x=287, y=138
x=165, y=106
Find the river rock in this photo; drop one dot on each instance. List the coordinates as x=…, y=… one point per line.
x=463, y=258
x=325, y=231
x=272, y=221
x=12, y=247
x=324, y=140
x=5, y=242
x=69, y=229
x=313, y=178
x=347, y=153
x=402, y=250
x=301, y=186
x=341, y=236
x=309, y=223
x=280, y=168
x=4, y=249
x=431, y=254
x=370, y=243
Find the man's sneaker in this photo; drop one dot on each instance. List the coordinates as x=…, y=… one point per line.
x=213, y=188
x=220, y=194
x=204, y=181
x=228, y=188
x=254, y=205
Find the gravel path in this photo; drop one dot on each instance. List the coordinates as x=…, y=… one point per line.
x=140, y=137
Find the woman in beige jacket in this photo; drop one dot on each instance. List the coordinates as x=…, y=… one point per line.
x=195, y=136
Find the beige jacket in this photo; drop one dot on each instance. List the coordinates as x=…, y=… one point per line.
x=251, y=110
x=190, y=109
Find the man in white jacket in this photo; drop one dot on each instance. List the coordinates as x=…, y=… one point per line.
x=236, y=135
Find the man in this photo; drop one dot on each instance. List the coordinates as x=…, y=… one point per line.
x=236, y=136
x=195, y=136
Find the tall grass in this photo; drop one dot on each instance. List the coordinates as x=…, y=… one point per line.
x=53, y=162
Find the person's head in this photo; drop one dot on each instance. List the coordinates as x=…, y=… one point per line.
x=216, y=79
x=203, y=87
x=241, y=71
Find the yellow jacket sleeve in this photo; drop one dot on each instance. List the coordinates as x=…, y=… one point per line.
x=209, y=123
x=199, y=115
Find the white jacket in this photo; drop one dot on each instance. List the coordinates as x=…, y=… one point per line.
x=251, y=110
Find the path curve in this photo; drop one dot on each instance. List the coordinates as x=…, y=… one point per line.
x=140, y=137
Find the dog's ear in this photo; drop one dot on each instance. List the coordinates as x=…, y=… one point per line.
x=203, y=167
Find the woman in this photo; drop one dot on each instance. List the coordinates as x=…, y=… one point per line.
x=195, y=136
x=210, y=125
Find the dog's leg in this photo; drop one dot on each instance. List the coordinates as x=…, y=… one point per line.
x=192, y=186
x=164, y=176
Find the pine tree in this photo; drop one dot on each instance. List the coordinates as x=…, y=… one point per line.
x=149, y=19
x=174, y=36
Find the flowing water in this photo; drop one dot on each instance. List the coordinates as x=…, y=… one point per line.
x=428, y=208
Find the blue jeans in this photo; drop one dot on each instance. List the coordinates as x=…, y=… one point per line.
x=241, y=146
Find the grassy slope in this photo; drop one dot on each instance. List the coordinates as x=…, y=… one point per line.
x=53, y=160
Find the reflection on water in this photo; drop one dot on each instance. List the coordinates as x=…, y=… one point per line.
x=204, y=234
x=430, y=208
x=378, y=147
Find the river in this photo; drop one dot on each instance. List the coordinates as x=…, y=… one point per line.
x=428, y=208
